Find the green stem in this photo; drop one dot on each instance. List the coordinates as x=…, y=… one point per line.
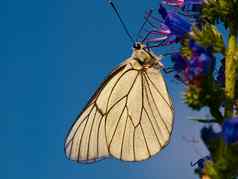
x=230, y=74
x=230, y=83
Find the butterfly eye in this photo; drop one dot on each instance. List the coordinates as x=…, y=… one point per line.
x=137, y=46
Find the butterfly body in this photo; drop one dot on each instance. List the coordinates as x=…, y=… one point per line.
x=145, y=58
x=130, y=117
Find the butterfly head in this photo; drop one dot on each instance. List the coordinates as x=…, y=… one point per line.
x=144, y=56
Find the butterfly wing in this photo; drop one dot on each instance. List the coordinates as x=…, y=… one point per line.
x=158, y=112
x=130, y=117
x=86, y=140
x=139, y=125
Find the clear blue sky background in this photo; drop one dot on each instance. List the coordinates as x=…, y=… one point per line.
x=54, y=54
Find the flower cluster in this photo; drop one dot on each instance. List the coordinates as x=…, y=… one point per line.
x=171, y=29
x=176, y=23
x=189, y=26
x=176, y=27
x=179, y=22
x=193, y=70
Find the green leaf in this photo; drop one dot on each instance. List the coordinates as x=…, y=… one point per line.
x=209, y=37
x=204, y=121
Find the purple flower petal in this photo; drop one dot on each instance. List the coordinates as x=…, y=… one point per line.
x=163, y=12
x=178, y=3
x=230, y=130
x=201, y=162
x=177, y=24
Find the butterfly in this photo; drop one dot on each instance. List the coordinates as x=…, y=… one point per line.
x=130, y=116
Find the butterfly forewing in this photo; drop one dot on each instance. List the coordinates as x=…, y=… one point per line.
x=130, y=117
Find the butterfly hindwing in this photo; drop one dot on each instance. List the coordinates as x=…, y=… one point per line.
x=140, y=124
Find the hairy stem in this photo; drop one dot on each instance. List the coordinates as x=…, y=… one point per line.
x=231, y=63
x=230, y=73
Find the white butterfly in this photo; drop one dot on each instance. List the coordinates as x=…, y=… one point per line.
x=130, y=116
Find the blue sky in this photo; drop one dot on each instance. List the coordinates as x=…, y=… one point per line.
x=54, y=54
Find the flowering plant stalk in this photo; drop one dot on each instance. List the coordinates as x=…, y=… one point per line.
x=208, y=66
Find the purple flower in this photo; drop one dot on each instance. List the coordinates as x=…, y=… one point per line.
x=200, y=65
x=197, y=49
x=164, y=30
x=193, y=9
x=177, y=3
x=221, y=73
x=209, y=136
x=186, y=5
x=171, y=29
x=193, y=5
x=177, y=24
x=179, y=66
x=195, y=69
x=163, y=35
x=201, y=162
x=180, y=63
x=230, y=130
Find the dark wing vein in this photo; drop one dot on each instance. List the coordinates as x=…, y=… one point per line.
x=124, y=106
x=98, y=135
x=115, y=86
x=153, y=127
x=142, y=107
x=104, y=83
x=124, y=131
x=84, y=133
x=91, y=127
x=146, y=75
x=145, y=140
x=72, y=138
x=116, y=126
x=153, y=115
x=156, y=105
x=134, y=150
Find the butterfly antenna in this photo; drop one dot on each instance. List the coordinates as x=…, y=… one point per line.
x=122, y=22
x=147, y=16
